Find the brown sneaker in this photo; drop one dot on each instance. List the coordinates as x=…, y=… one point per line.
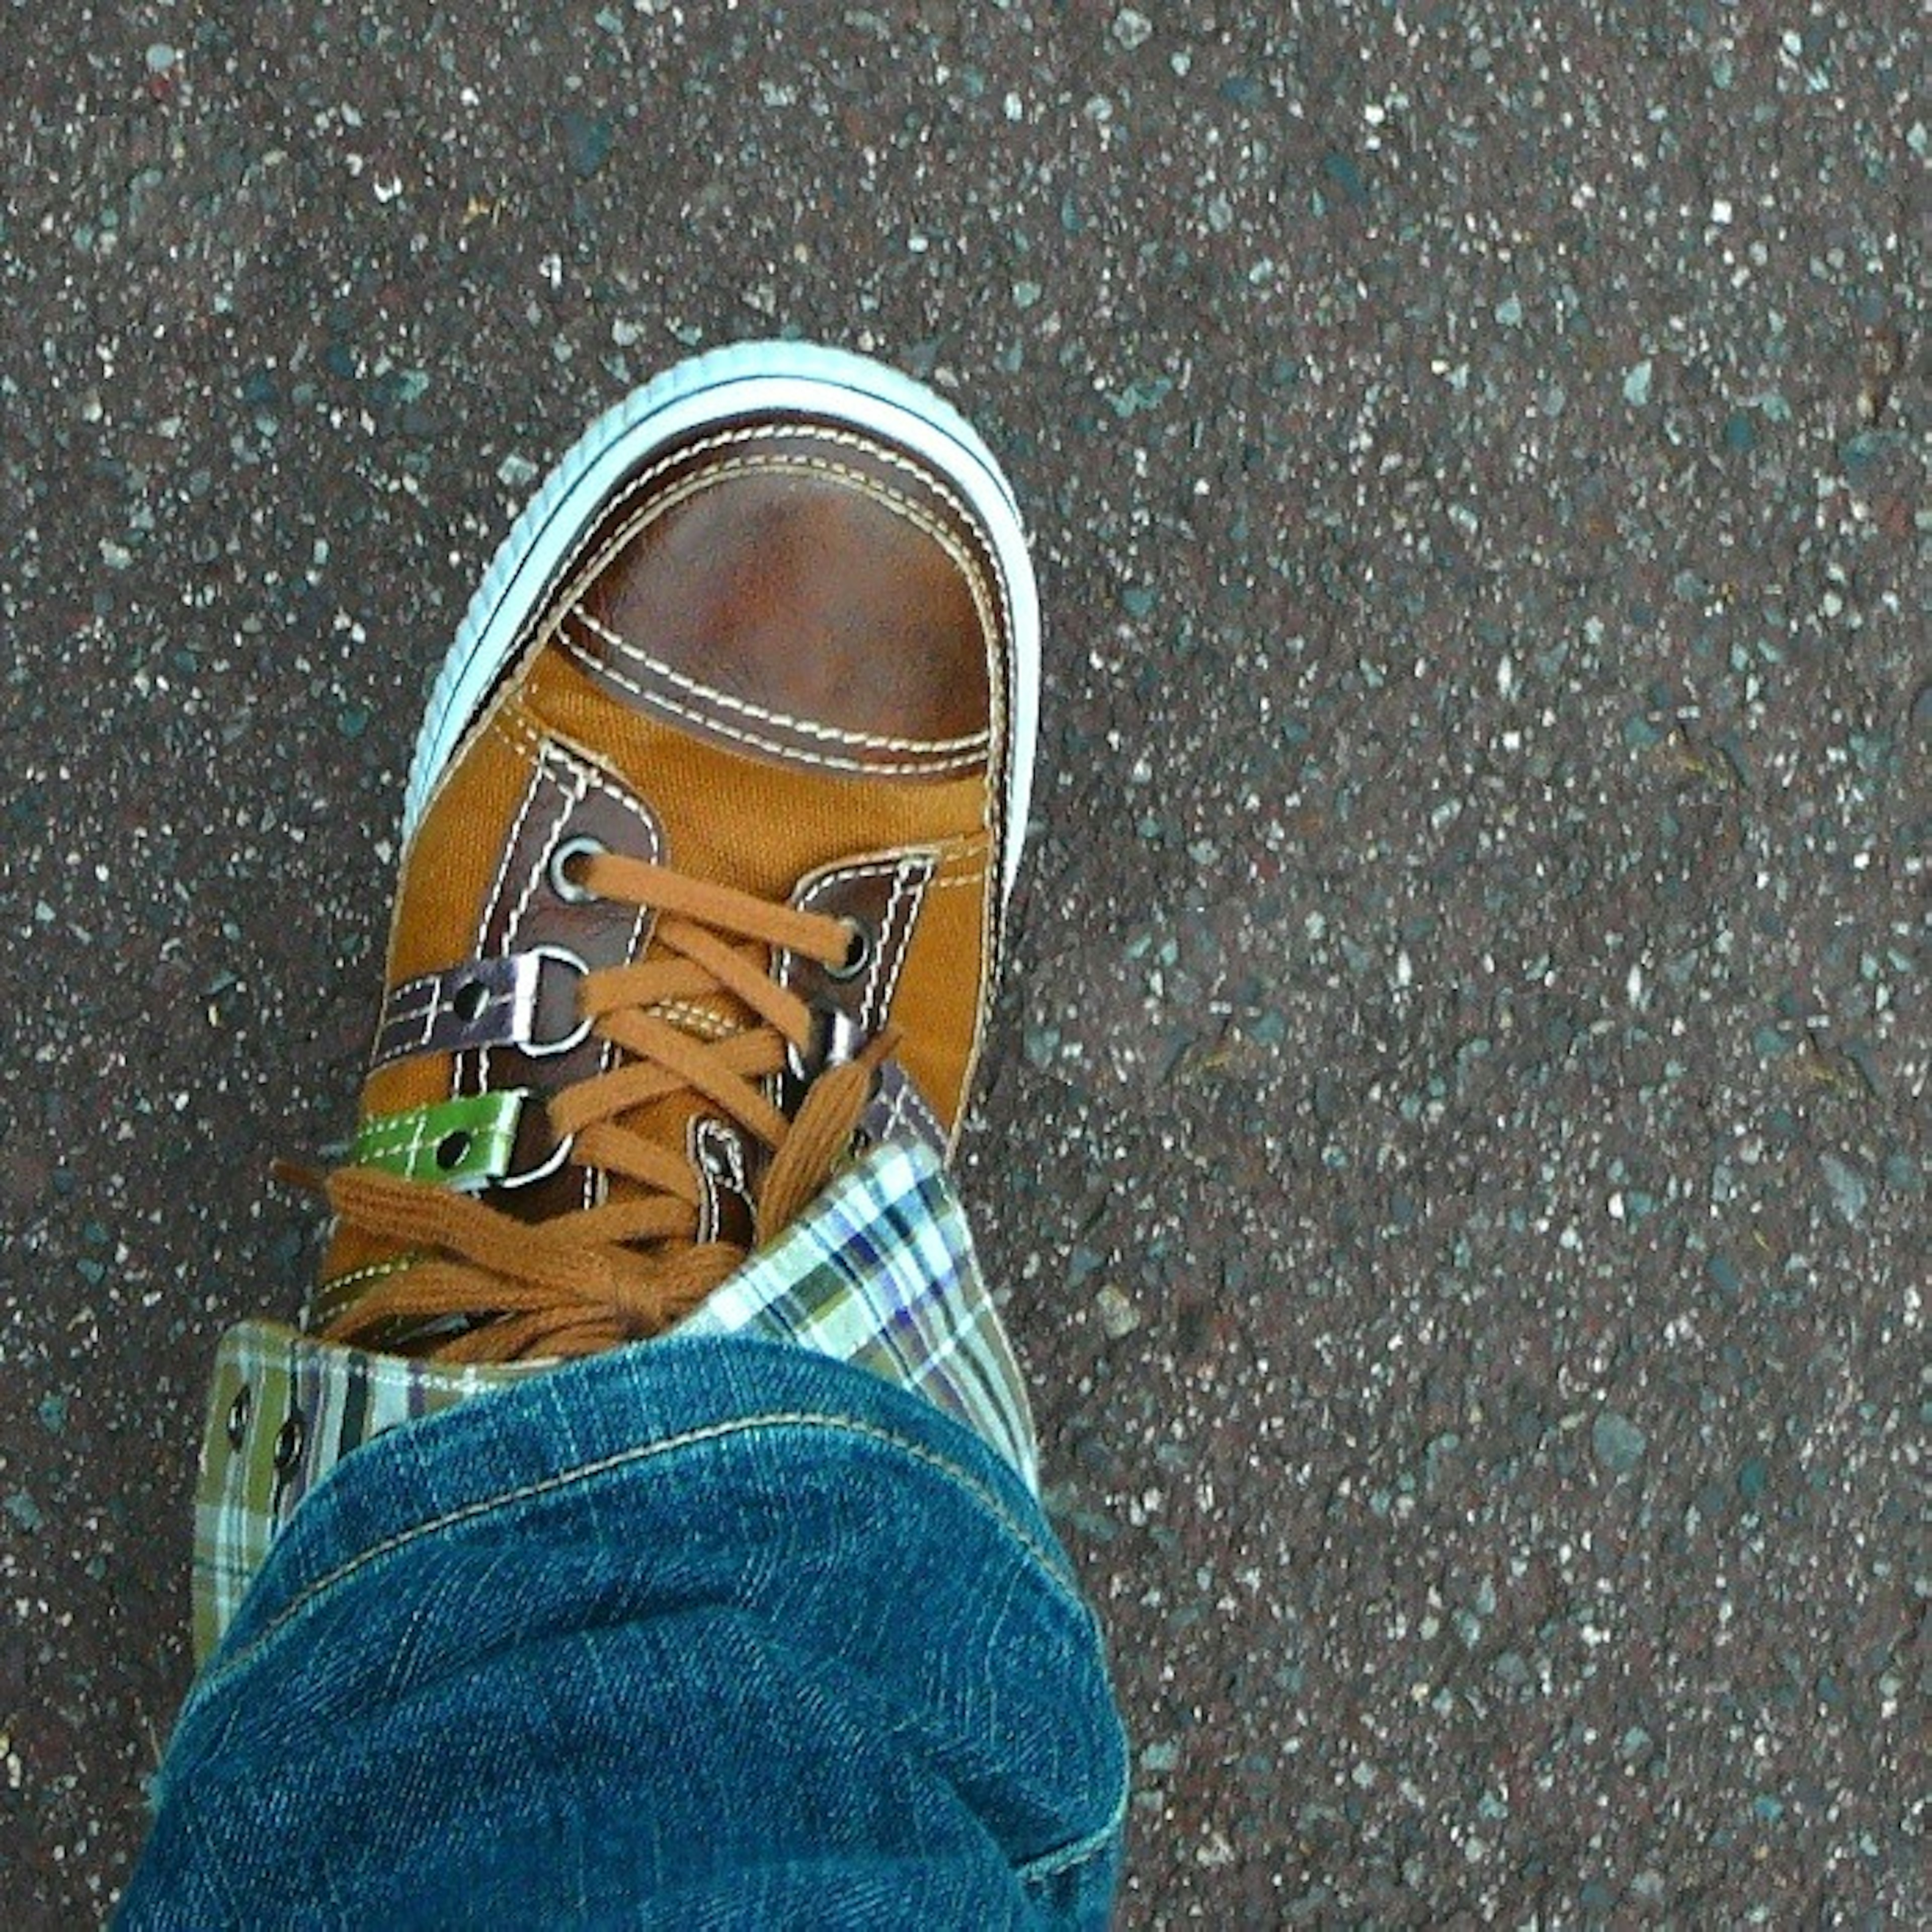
x=707, y=844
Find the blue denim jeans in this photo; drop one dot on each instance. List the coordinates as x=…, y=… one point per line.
x=713, y=1633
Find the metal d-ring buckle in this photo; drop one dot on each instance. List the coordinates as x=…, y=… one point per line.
x=547, y=1049
x=551, y=1162
x=836, y=1038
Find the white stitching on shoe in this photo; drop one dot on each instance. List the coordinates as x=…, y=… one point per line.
x=879, y=1000
x=995, y=624
x=527, y=738
x=896, y=1116
x=509, y=729
x=407, y=1136
x=420, y=1011
x=874, y=868
x=928, y=480
x=805, y=895
x=899, y=868
x=974, y=741
x=332, y=1289
x=904, y=508
x=911, y=1101
x=372, y=1271
x=596, y=667
x=694, y=1019
x=573, y=786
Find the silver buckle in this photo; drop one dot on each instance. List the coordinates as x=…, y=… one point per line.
x=546, y=1049
x=836, y=1038
x=551, y=1163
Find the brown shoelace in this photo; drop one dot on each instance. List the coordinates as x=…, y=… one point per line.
x=591, y=1278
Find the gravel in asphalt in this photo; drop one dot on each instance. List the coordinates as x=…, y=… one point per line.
x=1456, y=1136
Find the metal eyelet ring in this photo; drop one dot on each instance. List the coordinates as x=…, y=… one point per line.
x=546, y=1049
x=289, y=1440
x=566, y=888
x=719, y=1151
x=239, y=1411
x=858, y=954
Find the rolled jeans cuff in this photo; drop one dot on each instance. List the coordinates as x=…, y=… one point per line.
x=709, y=1631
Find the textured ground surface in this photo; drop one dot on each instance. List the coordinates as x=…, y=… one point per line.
x=1458, y=1135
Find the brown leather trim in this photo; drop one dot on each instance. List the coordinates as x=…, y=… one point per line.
x=898, y=1111
x=568, y=799
x=490, y=1002
x=881, y=894
x=976, y=679
x=726, y=1169
x=800, y=593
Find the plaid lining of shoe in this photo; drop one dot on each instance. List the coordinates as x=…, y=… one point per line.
x=879, y=1271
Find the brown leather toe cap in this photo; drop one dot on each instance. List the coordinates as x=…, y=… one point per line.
x=801, y=592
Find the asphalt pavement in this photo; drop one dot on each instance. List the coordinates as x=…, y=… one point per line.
x=1457, y=1135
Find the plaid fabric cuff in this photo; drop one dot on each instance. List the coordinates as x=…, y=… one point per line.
x=880, y=1272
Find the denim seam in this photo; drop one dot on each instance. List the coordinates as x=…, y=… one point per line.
x=1083, y=1850
x=644, y=1453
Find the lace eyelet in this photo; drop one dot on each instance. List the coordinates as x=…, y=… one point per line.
x=858, y=953
x=558, y=872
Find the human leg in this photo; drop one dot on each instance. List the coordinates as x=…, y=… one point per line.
x=709, y=840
